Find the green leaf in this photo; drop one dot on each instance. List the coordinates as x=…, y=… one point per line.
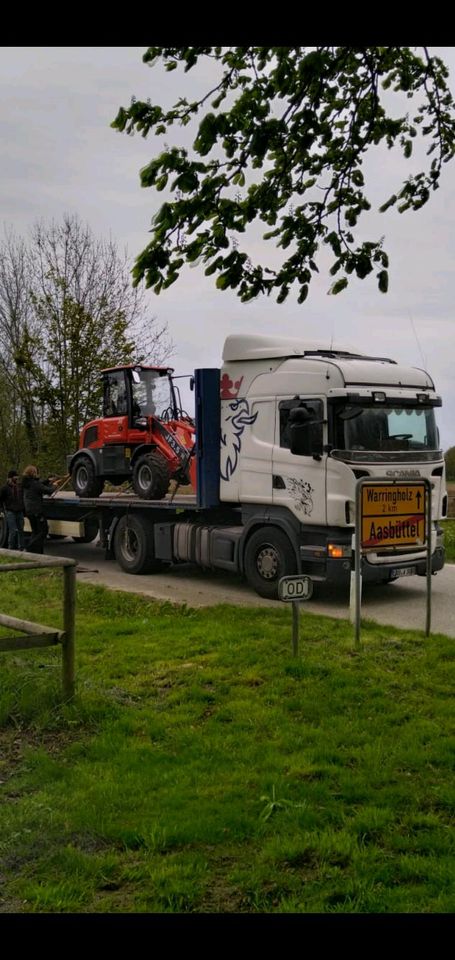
x=339, y=286
x=357, y=178
x=383, y=281
x=389, y=203
x=363, y=266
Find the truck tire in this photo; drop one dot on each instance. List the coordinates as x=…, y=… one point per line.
x=91, y=527
x=268, y=557
x=84, y=479
x=134, y=546
x=151, y=476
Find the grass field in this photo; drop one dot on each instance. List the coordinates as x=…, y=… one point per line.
x=204, y=769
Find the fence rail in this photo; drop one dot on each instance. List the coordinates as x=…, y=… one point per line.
x=37, y=635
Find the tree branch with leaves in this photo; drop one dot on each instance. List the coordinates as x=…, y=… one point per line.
x=288, y=130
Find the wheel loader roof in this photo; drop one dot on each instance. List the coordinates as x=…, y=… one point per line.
x=137, y=366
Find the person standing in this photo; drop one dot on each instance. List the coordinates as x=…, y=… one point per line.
x=34, y=489
x=11, y=497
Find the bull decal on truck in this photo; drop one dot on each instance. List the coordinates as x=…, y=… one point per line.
x=234, y=418
x=301, y=491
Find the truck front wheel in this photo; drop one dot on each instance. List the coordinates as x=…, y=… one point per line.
x=84, y=479
x=268, y=557
x=134, y=546
x=151, y=477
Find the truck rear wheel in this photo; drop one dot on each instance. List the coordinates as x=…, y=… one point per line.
x=84, y=479
x=151, y=477
x=268, y=557
x=134, y=546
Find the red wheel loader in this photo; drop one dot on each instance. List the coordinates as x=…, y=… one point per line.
x=144, y=436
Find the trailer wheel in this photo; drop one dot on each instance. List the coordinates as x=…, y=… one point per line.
x=268, y=557
x=84, y=479
x=134, y=547
x=151, y=477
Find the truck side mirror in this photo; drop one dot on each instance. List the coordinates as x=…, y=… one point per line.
x=191, y=384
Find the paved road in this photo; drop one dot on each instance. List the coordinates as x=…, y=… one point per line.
x=401, y=604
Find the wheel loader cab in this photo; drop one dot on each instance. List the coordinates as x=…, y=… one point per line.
x=137, y=393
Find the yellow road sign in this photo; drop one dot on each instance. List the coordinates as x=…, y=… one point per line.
x=393, y=514
x=393, y=499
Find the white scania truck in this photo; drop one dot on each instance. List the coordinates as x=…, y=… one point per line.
x=283, y=432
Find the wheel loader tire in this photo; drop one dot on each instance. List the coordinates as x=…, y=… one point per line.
x=268, y=557
x=134, y=545
x=151, y=477
x=84, y=479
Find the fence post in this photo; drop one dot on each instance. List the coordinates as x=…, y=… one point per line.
x=69, y=616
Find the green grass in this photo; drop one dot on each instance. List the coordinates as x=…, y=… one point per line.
x=204, y=769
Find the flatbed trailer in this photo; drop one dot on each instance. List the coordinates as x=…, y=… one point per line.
x=144, y=536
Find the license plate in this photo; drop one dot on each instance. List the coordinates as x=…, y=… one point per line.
x=403, y=572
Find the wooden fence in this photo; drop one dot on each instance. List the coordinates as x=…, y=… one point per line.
x=37, y=635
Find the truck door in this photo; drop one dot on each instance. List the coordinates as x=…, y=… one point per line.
x=299, y=482
x=247, y=435
x=115, y=408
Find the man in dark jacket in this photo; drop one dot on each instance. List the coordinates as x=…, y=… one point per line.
x=13, y=504
x=34, y=490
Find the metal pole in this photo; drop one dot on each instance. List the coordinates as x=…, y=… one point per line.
x=295, y=627
x=69, y=611
x=357, y=571
x=428, y=616
x=352, y=583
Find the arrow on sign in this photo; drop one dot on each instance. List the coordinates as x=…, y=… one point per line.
x=418, y=498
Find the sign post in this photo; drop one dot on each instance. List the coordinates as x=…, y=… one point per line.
x=295, y=589
x=390, y=514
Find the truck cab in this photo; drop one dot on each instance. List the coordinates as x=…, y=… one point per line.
x=301, y=422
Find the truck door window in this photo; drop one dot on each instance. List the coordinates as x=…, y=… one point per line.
x=315, y=408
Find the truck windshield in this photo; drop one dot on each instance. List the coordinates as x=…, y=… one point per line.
x=152, y=394
x=385, y=428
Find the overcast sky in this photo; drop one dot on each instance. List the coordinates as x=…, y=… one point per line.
x=60, y=156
